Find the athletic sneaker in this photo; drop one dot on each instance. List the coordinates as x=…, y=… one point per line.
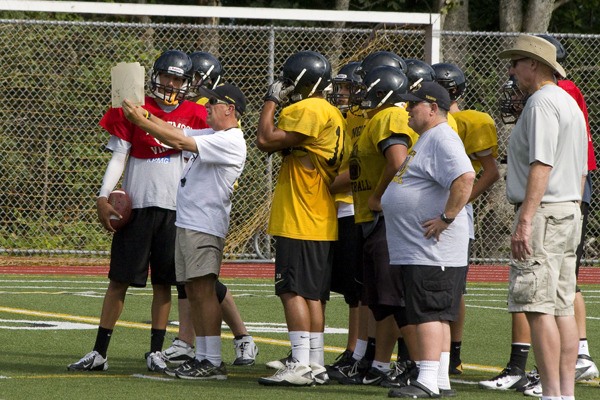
x=511, y=377
x=319, y=373
x=156, y=361
x=406, y=371
x=585, y=369
x=191, y=363
x=245, y=351
x=92, y=361
x=355, y=374
x=533, y=379
x=202, y=370
x=455, y=368
x=279, y=364
x=342, y=365
x=294, y=374
x=534, y=390
x=179, y=352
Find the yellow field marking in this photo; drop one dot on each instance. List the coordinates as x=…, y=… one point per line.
x=140, y=325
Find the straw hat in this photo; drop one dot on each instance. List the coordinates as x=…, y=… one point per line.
x=528, y=46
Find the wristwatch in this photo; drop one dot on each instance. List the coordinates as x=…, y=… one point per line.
x=446, y=219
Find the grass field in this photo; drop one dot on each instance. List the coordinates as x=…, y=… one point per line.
x=47, y=322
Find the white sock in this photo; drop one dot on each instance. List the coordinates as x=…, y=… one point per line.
x=360, y=349
x=200, y=348
x=428, y=375
x=567, y=398
x=552, y=398
x=443, y=379
x=300, y=341
x=317, y=353
x=382, y=366
x=583, y=347
x=213, y=350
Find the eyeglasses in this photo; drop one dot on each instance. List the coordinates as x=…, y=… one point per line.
x=214, y=101
x=513, y=63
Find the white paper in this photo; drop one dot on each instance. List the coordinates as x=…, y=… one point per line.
x=127, y=83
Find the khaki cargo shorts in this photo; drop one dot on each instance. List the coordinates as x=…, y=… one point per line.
x=545, y=282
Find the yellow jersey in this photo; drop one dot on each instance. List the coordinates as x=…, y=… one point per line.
x=302, y=207
x=367, y=162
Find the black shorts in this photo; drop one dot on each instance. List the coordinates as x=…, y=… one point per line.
x=431, y=293
x=379, y=286
x=146, y=243
x=303, y=267
x=346, y=273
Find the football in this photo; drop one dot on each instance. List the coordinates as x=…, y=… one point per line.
x=122, y=204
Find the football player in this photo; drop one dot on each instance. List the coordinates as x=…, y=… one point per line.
x=310, y=136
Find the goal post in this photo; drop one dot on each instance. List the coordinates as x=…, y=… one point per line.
x=430, y=22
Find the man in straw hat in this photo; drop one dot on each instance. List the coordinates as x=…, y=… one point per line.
x=547, y=165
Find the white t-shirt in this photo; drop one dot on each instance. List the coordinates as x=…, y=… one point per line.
x=149, y=182
x=551, y=130
x=203, y=202
x=418, y=193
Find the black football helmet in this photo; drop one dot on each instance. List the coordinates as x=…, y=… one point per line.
x=382, y=85
x=418, y=71
x=208, y=71
x=378, y=59
x=561, y=52
x=309, y=72
x=452, y=78
x=172, y=62
x=512, y=101
x=345, y=85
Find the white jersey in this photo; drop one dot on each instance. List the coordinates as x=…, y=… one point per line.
x=550, y=130
x=419, y=193
x=206, y=185
x=149, y=182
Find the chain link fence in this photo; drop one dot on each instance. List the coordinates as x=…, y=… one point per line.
x=56, y=80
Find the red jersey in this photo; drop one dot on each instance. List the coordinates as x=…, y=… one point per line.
x=188, y=115
x=570, y=87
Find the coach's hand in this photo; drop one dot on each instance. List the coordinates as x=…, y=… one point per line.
x=278, y=92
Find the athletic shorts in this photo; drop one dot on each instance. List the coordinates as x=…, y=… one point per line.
x=431, y=293
x=146, y=243
x=197, y=254
x=379, y=286
x=303, y=267
x=346, y=274
x=545, y=282
x=220, y=289
x=585, y=212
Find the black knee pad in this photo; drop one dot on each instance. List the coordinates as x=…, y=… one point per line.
x=181, y=294
x=221, y=291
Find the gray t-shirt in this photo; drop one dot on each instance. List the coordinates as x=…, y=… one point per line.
x=418, y=193
x=551, y=130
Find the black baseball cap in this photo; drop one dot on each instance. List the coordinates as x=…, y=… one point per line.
x=431, y=92
x=230, y=94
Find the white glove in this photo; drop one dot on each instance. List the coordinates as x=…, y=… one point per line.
x=278, y=92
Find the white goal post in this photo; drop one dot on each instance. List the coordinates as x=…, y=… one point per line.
x=430, y=22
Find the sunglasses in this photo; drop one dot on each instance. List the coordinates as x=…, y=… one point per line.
x=413, y=104
x=513, y=63
x=214, y=101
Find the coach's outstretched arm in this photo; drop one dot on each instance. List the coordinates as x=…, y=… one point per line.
x=158, y=128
